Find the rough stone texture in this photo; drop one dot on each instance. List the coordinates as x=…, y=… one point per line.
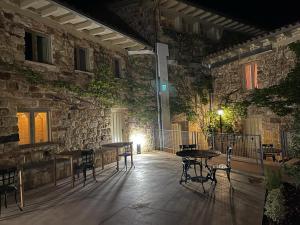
x=76, y=122
x=272, y=67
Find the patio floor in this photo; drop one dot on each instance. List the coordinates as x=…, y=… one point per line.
x=148, y=194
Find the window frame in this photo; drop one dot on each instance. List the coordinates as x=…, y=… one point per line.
x=77, y=59
x=252, y=79
x=34, y=47
x=32, y=125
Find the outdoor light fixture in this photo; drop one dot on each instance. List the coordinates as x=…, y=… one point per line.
x=163, y=87
x=138, y=140
x=220, y=112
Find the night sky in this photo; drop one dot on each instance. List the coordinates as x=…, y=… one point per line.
x=264, y=14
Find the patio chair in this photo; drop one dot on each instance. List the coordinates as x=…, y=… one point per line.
x=87, y=163
x=126, y=154
x=8, y=184
x=188, y=162
x=224, y=167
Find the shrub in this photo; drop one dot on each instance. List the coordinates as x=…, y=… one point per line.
x=273, y=179
x=274, y=207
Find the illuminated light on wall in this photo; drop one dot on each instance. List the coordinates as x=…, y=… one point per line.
x=163, y=87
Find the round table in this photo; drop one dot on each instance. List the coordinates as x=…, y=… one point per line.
x=190, y=157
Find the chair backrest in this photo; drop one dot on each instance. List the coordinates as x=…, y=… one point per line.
x=87, y=156
x=193, y=147
x=8, y=176
x=184, y=147
x=228, y=156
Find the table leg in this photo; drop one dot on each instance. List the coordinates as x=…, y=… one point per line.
x=131, y=155
x=54, y=170
x=102, y=156
x=21, y=187
x=72, y=172
x=117, y=158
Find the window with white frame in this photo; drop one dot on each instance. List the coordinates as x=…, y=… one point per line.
x=81, y=59
x=33, y=127
x=37, y=47
x=250, y=75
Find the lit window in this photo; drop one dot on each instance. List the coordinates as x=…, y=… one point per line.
x=37, y=47
x=33, y=127
x=117, y=68
x=81, y=59
x=250, y=76
x=24, y=127
x=40, y=127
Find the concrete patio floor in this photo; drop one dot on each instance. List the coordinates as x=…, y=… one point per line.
x=148, y=194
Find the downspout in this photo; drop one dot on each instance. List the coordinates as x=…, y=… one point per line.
x=159, y=120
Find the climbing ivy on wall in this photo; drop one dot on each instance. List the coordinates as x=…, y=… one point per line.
x=133, y=92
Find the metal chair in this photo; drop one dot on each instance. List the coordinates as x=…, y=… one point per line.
x=8, y=184
x=188, y=162
x=87, y=163
x=224, y=167
x=125, y=154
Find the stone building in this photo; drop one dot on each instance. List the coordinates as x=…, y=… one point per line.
x=191, y=32
x=258, y=63
x=47, y=52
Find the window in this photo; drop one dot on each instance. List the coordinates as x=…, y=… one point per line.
x=81, y=59
x=250, y=76
x=117, y=68
x=33, y=127
x=37, y=47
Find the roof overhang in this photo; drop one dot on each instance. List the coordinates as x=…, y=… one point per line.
x=197, y=14
x=64, y=16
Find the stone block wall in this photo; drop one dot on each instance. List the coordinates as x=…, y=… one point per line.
x=272, y=67
x=76, y=122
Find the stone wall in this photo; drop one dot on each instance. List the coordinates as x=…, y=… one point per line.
x=272, y=67
x=76, y=122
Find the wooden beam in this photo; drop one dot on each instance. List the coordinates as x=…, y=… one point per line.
x=219, y=20
x=67, y=18
x=25, y=4
x=213, y=17
x=206, y=14
x=225, y=22
x=138, y=47
x=97, y=31
x=105, y=37
x=244, y=28
x=233, y=23
x=169, y=4
x=179, y=7
x=188, y=10
x=128, y=45
x=119, y=41
x=49, y=11
x=83, y=25
x=237, y=26
x=198, y=12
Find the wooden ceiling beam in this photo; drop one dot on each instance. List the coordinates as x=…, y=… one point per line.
x=83, y=25
x=97, y=31
x=109, y=36
x=49, y=11
x=67, y=18
x=25, y=4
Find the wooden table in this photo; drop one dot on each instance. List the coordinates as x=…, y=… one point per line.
x=5, y=165
x=117, y=146
x=70, y=155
